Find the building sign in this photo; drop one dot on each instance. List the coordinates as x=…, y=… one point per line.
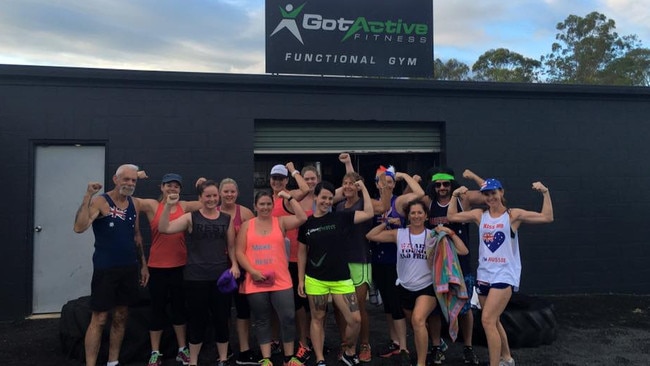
x=350, y=37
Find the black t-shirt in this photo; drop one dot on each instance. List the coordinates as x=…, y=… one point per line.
x=326, y=238
x=358, y=248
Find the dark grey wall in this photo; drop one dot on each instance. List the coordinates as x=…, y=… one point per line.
x=588, y=144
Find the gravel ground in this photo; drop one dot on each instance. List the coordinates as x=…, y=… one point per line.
x=593, y=330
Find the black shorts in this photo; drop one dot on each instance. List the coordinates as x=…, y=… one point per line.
x=112, y=287
x=407, y=298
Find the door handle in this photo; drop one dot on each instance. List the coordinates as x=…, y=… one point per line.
x=38, y=228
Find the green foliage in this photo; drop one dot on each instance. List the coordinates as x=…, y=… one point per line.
x=632, y=69
x=586, y=49
x=502, y=65
x=450, y=70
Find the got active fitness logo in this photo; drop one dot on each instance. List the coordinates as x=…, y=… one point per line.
x=360, y=28
x=340, y=37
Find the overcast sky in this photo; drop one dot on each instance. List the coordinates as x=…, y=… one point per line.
x=228, y=35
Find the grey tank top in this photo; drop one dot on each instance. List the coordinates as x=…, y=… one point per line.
x=207, y=249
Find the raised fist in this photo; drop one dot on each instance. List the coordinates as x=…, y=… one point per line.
x=172, y=199
x=539, y=187
x=359, y=184
x=93, y=188
x=344, y=158
x=460, y=190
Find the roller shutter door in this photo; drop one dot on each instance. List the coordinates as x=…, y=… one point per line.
x=324, y=137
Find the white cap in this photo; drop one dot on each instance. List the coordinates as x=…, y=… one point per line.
x=279, y=170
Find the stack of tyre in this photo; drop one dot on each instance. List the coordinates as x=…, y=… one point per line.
x=529, y=321
x=75, y=317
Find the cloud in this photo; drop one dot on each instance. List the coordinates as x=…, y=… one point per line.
x=196, y=35
x=228, y=35
x=631, y=17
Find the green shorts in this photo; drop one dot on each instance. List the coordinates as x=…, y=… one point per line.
x=316, y=287
x=361, y=273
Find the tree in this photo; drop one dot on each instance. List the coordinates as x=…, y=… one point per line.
x=450, y=70
x=502, y=65
x=585, y=48
x=632, y=69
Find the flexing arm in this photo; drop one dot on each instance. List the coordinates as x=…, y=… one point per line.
x=472, y=198
x=368, y=212
x=303, y=188
x=180, y=224
x=89, y=209
x=466, y=216
x=416, y=192
x=545, y=216
x=298, y=218
x=191, y=206
x=345, y=159
x=383, y=204
x=148, y=206
x=381, y=235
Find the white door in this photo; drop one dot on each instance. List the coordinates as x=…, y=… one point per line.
x=62, y=258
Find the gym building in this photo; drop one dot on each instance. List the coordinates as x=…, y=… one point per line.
x=64, y=127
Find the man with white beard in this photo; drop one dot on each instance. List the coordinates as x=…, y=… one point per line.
x=118, y=252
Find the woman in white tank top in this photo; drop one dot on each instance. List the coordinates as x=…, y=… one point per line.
x=414, y=277
x=499, y=266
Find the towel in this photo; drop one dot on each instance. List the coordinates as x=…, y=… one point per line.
x=448, y=281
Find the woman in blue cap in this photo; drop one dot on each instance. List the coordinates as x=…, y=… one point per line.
x=499, y=267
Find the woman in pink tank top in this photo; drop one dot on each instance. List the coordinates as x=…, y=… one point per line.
x=267, y=284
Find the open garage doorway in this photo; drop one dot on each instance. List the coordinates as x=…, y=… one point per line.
x=332, y=169
x=413, y=147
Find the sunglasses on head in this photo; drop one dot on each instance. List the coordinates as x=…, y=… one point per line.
x=442, y=184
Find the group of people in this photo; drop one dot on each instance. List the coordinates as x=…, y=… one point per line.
x=283, y=261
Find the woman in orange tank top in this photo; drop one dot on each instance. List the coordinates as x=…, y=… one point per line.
x=167, y=258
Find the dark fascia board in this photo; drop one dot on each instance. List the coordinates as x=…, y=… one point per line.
x=90, y=77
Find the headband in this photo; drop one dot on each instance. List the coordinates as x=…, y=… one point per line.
x=390, y=171
x=442, y=176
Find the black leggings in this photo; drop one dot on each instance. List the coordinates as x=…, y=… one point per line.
x=204, y=303
x=166, y=287
x=384, y=277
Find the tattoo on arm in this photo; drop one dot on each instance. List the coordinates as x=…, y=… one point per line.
x=351, y=299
